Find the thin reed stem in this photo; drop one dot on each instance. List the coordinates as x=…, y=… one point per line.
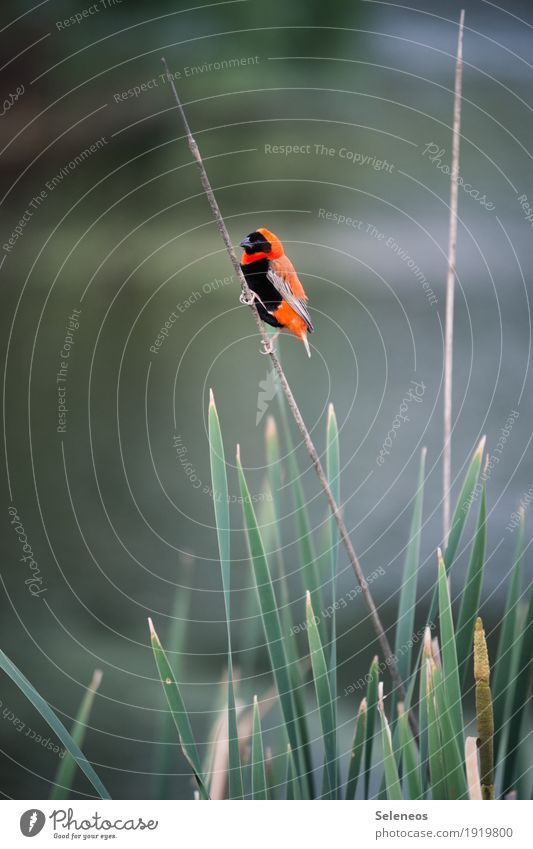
x=450, y=287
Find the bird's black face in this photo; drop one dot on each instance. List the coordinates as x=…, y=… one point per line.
x=256, y=243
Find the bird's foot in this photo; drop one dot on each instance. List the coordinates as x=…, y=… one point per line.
x=247, y=301
x=268, y=345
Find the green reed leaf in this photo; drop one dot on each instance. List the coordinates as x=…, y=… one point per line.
x=450, y=669
x=469, y=608
x=178, y=710
x=259, y=783
x=221, y=504
x=324, y=699
x=55, y=724
x=372, y=705
x=269, y=613
x=409, y=757
x=392, y=780
x=502, y=680
x=67, y=768
x=358, y=747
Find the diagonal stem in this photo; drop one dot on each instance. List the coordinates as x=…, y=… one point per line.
x=311, y=450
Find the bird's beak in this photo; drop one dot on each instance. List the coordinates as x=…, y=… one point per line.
x=246, y=243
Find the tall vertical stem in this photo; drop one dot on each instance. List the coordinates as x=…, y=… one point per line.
x=450, y=287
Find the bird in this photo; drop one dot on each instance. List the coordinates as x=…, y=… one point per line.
x=275, y=288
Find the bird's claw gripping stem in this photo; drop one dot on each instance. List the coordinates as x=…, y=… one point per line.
x=247, y=300
x=268, y=345
x=243, y=298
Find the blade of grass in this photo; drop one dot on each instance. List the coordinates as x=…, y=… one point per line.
x=409, y=757
x=55, y=724
x=215, y=761
x=372, y=703
x=293, y=788
x=166, y=752
x=472, y=592
x=215, y=765
x=463, y=505
x=269, y=613
x=275, y=512
x=334, y=480
x=423, y=709
x=333, y=476
x=252, y=628
x=295, y=671
x=358, y=747
x=235, y=785
x=273, y=787
x=435, y=756
x=220, y=495
x=273, y=463
x=178, y=710
x=259, y=785
x=450, y=671
x=303, y=730
x=324, y=700
x=502, y=681
x=462, y=508
x=452, y=743
x=524, y=789
x=308, y=555
x=518, y=700
x=221, y=504
x=268, y=521
x=392, y=780
x=67, y=768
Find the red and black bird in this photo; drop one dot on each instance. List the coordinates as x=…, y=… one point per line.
x=279, y=295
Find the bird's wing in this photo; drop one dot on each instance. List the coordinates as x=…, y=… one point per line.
x=284, y=278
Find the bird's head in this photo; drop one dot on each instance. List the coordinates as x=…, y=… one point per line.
x=262, y=243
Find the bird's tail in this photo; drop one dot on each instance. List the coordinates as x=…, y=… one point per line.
x=304, y=339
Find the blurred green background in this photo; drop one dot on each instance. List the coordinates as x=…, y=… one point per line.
x=119, y=521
